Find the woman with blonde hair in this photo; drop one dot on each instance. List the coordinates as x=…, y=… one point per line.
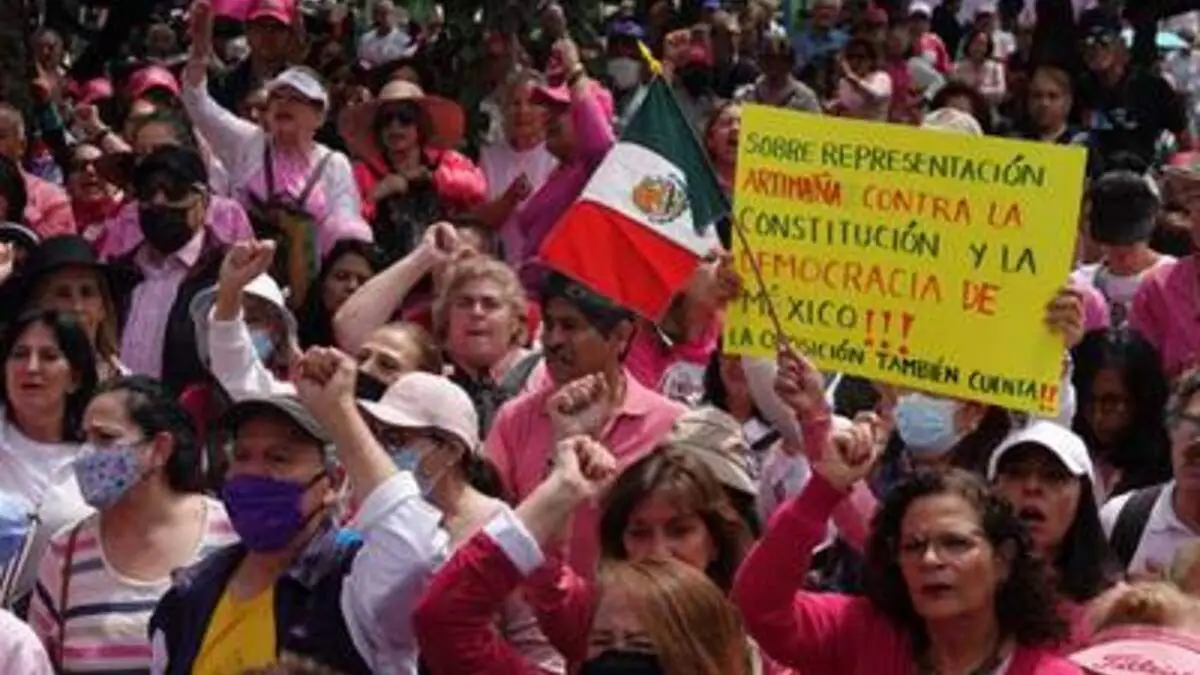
x=651, y=616
x=1148, y=627
x=479, y=318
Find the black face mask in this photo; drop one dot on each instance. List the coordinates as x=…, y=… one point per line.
x=369, y=387
x=615, y=662
x=696, y=79
x=165, y=227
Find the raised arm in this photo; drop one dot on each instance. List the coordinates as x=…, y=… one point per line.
x=232, y=358
x=228, y=134
x=403, y=542
x=797, y=628
x=373, y=304
x=454, y=618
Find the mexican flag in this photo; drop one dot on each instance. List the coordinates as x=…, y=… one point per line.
x=647, y=217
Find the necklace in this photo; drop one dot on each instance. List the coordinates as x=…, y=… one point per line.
x=989, y=666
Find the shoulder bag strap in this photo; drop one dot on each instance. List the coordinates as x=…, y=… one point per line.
x=268, y=172
x=313, y=179
x=1131, y=523
x=516, y=376
x=64, y=589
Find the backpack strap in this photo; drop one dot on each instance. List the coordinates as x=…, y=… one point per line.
x=1131, y=523
x=268, y=173
x=313, y=179
x=516, y=376
x=64, y=598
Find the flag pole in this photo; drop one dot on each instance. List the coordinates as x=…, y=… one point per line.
x=762, y=285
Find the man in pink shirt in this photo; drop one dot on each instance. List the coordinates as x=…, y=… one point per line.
x=585, y=337
x=48, y=209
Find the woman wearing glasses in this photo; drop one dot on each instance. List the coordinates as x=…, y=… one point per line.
x=952, y=585
x=408, y=177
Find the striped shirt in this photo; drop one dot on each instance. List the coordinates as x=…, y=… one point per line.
x=107, y=614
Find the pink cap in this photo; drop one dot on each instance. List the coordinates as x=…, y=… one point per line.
x=1135, y=650
x=95, y=89
x=151, y=77
x=561, y=95
x=420, y=400
x=283, y=11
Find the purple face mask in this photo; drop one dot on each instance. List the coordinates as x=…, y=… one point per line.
x=265, y=511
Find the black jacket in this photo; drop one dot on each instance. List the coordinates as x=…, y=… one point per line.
x=181, y=364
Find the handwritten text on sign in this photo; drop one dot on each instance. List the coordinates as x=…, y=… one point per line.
x=920, y=258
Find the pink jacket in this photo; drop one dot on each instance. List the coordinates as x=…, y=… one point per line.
x=454, y=618
x=826, y=633
x=47, y=208
x=1165, y=310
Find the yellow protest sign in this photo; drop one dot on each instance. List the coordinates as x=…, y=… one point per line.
x=915, y=257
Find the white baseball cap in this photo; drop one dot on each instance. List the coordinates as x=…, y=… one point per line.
x=952, y=120
x=920, y=8
x=420, y=400
x=303, y=81
x=1059, y=440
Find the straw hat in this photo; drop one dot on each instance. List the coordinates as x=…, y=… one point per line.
x=445, y=123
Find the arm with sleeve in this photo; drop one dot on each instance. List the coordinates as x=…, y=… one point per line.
x=236, y=366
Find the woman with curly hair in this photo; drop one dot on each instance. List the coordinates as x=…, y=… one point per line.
x=952, y=586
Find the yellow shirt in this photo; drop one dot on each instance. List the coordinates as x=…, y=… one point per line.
x=240, y=636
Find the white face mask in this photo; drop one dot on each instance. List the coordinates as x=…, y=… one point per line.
x=625, y=72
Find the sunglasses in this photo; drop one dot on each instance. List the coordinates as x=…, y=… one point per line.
x=1099, y=41
x=406, y=114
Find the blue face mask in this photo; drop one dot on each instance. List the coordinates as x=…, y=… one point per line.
x=264, y=344
x=408, y=458
x=14, y=527
x=926, y=424
x=104, y=476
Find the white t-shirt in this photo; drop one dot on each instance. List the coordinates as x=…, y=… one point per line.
x=501, y=165
x=378, y=49
x=1118, y=291
x=41, y=475
x=1163, y=536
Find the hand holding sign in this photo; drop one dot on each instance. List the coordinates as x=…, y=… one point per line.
x=1064, y=315
x=800, y=386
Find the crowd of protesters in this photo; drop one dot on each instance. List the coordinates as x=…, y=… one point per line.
x=288, y=389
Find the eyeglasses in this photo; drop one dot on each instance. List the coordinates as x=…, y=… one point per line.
x=947, y=545
x=405, y=114
x=1092, y=41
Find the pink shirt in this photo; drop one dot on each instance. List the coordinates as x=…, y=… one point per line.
x=226, y=220
x=150, y=306
x=826, y=632
x=524, y=231
x=522, y=439
x=48, y=209
x=675, y=371
x=1166, y=311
